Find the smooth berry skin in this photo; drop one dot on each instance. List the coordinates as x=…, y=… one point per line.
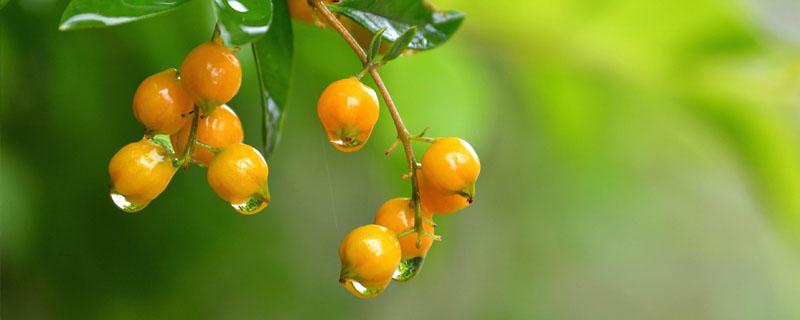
x=161, y=104
x=436, y=201
x=451, y=165
x=219, y=129
x=211, y=74
x=398, y=215
x=369, y=255
x=237, y=173
x=348, y=110
x=140, y=171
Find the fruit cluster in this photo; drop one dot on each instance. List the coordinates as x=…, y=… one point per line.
x=395, y=246
x=186, y=119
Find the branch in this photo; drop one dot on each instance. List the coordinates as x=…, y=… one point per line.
x=402, y=131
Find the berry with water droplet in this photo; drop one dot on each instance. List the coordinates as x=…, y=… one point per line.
x=348, y=110
x=211, y=74
x=398, y=215
x=219, y=129
x=370, y=255
x=161, y=104
x=139, y=172
x=239, y=175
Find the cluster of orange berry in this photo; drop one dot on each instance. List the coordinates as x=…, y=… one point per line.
x=186, y=120
x=391, y=248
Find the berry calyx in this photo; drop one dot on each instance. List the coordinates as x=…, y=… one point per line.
x=239, y=175
x=211, y=74
x=217, y=130
x=139, y=172
x=370, y=255
x=160, y=103
x=348, y=110
x=451, y=166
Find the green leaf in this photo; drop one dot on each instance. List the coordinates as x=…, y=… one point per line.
x=375, y=44
x=273, y=57
x=3, y=3
x=401, y=44
x=434, y=27
x=243, y=21
x=81, y=14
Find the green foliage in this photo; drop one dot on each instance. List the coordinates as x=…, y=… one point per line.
x=434, y=27
x=3, y=3
x=375, y=44
x=81, y=14
x=242, y=21
x=401, y=44
x=273, y=60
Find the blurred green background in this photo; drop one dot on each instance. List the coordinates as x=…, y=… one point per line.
x=640, y=161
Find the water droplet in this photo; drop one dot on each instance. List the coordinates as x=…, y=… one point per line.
x=359, y=290
x=408, y=269
x=346, y=145
x=124, y=204
x=253, y=205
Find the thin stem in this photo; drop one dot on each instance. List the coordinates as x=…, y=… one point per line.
x=187, y=153
x=402, y=131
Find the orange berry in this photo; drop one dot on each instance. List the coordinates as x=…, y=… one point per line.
x=211, y=74
x=160, y=103
x=398, y=215
x=300, y=10
x=348, y=110
x=451, y=166
x=239, y=175
x=139, y=172
x=436, y=201
x=370, y=255
x=219, y=129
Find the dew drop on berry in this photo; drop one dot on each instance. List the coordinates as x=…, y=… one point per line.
x=359, y=290
x=252, y=205
x=407, y=269
x=124, y=204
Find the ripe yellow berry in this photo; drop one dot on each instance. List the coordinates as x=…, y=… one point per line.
x=398, y=215
x=239, y=175
x=451, y=164
x=139, y=172
x=348, y=110
x=160, y=103
x=437, y=201
x=211, y=74
x=370, y=255
x=219, y=129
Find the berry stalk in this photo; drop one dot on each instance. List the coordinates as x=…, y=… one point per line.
x=402, y=132
x=187, y=153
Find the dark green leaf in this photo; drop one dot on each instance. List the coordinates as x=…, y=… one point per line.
x=401, y=44
x=82, y=14
x=434, y=28
x=3, y=3
x=273, y=57
x=375, y=44
x=243, y=21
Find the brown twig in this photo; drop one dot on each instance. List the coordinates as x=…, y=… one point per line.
x=402, y=131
